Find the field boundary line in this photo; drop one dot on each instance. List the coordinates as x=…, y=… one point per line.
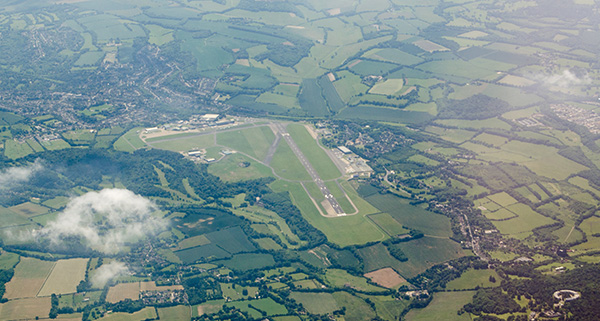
x=46, y=279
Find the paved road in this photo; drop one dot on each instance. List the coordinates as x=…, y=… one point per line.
x=311, y=171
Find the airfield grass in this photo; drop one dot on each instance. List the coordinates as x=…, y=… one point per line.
x=343, y=230
x=443, y=307
x=231, y=168
x=286, y=164
x=130, y=141
x=185, y=143
x=29, y=308
x=317, y=157
x=316, y=303
x=30, y=275
x=339, y=195
x=253, y=141
x=65, y=277
x=472, y=279
x=148, y=313
x=340, y=278
x=176, y=313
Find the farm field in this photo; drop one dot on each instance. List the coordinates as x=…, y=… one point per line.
x=444, y=306
x=144, y=314
x=65, y=276
x=28, y=308
x=30, y=275
x=317, y=303
x=472, y=279
x=386, y=277
x=123, y=291
x=176, y=313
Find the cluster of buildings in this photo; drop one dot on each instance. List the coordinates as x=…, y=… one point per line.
x=195, y=122
x=579, y=116
x=353, y=164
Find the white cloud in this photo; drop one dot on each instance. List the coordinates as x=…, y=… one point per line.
x=565, y=79
x=21, y=174
x=107, y=272
x=104, y=221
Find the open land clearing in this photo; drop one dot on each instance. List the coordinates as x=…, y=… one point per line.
x=386, y=277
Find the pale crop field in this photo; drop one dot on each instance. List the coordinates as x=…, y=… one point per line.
x=65, y=277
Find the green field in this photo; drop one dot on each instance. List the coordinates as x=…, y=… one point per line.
x=316, y=303
x=387, y=87
x=184, y=144
x=253, y=141
x=443, y=307
x=130, y=141
x=233, y=168
x=411, y=216
x=474, y=278
x=340, y=278
x=176, y=313
x=522, y=225
x=251, y=261
x=311, y=100
x=286, y=164
x=388, y=224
